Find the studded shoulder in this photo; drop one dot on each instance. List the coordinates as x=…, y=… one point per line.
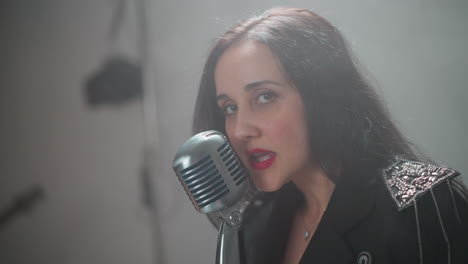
x=407, y=180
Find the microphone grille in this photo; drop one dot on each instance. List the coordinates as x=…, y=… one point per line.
x=210, y=172
x=204, y=182
x=232, y=163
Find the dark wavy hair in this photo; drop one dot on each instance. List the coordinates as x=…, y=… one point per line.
x=348, y=125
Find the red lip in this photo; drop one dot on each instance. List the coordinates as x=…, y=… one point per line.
x=264, y=164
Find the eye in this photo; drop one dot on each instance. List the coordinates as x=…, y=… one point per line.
x=266, y=97
x=229, y=109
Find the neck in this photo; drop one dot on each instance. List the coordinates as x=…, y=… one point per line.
x=317, y=189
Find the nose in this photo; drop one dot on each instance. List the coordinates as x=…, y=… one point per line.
x=245, y=126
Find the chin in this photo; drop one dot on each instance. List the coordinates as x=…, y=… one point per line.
x=267, y=186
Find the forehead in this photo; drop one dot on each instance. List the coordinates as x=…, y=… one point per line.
x=245, y=62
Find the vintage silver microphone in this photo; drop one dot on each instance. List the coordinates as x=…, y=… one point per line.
x=217, y=184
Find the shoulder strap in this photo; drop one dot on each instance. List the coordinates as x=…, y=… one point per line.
x=407, y=180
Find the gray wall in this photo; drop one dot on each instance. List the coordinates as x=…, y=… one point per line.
x=88, y=160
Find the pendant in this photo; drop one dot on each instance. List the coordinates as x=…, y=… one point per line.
x=306, y=235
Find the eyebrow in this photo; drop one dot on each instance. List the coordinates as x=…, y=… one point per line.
x=249, y=87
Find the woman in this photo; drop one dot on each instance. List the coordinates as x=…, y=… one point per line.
x=342, y=184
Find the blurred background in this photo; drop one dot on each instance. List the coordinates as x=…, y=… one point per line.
x=97, y=96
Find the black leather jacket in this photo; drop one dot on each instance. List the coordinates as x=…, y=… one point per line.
x=410, y=214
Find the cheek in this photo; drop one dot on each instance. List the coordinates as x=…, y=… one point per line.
x=230, y=132
x=236, y=144
x=288, y=127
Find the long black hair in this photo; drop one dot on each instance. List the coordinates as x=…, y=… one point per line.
x=348, y=125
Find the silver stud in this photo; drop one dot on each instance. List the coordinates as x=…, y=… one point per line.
x=364, y=258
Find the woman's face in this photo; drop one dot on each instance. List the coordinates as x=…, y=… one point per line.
x=264, y=114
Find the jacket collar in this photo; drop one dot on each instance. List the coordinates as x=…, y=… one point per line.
x=351, y=202
x=349, y=205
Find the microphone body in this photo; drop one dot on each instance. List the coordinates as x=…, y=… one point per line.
x=213, y=177
x=217, y=184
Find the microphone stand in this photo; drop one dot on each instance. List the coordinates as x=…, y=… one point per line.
x=228, y=250
x=230, y=247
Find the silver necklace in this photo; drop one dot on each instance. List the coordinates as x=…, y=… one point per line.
x=307, y=231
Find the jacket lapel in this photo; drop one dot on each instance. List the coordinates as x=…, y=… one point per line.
x=327, y=246
x=349, y=205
